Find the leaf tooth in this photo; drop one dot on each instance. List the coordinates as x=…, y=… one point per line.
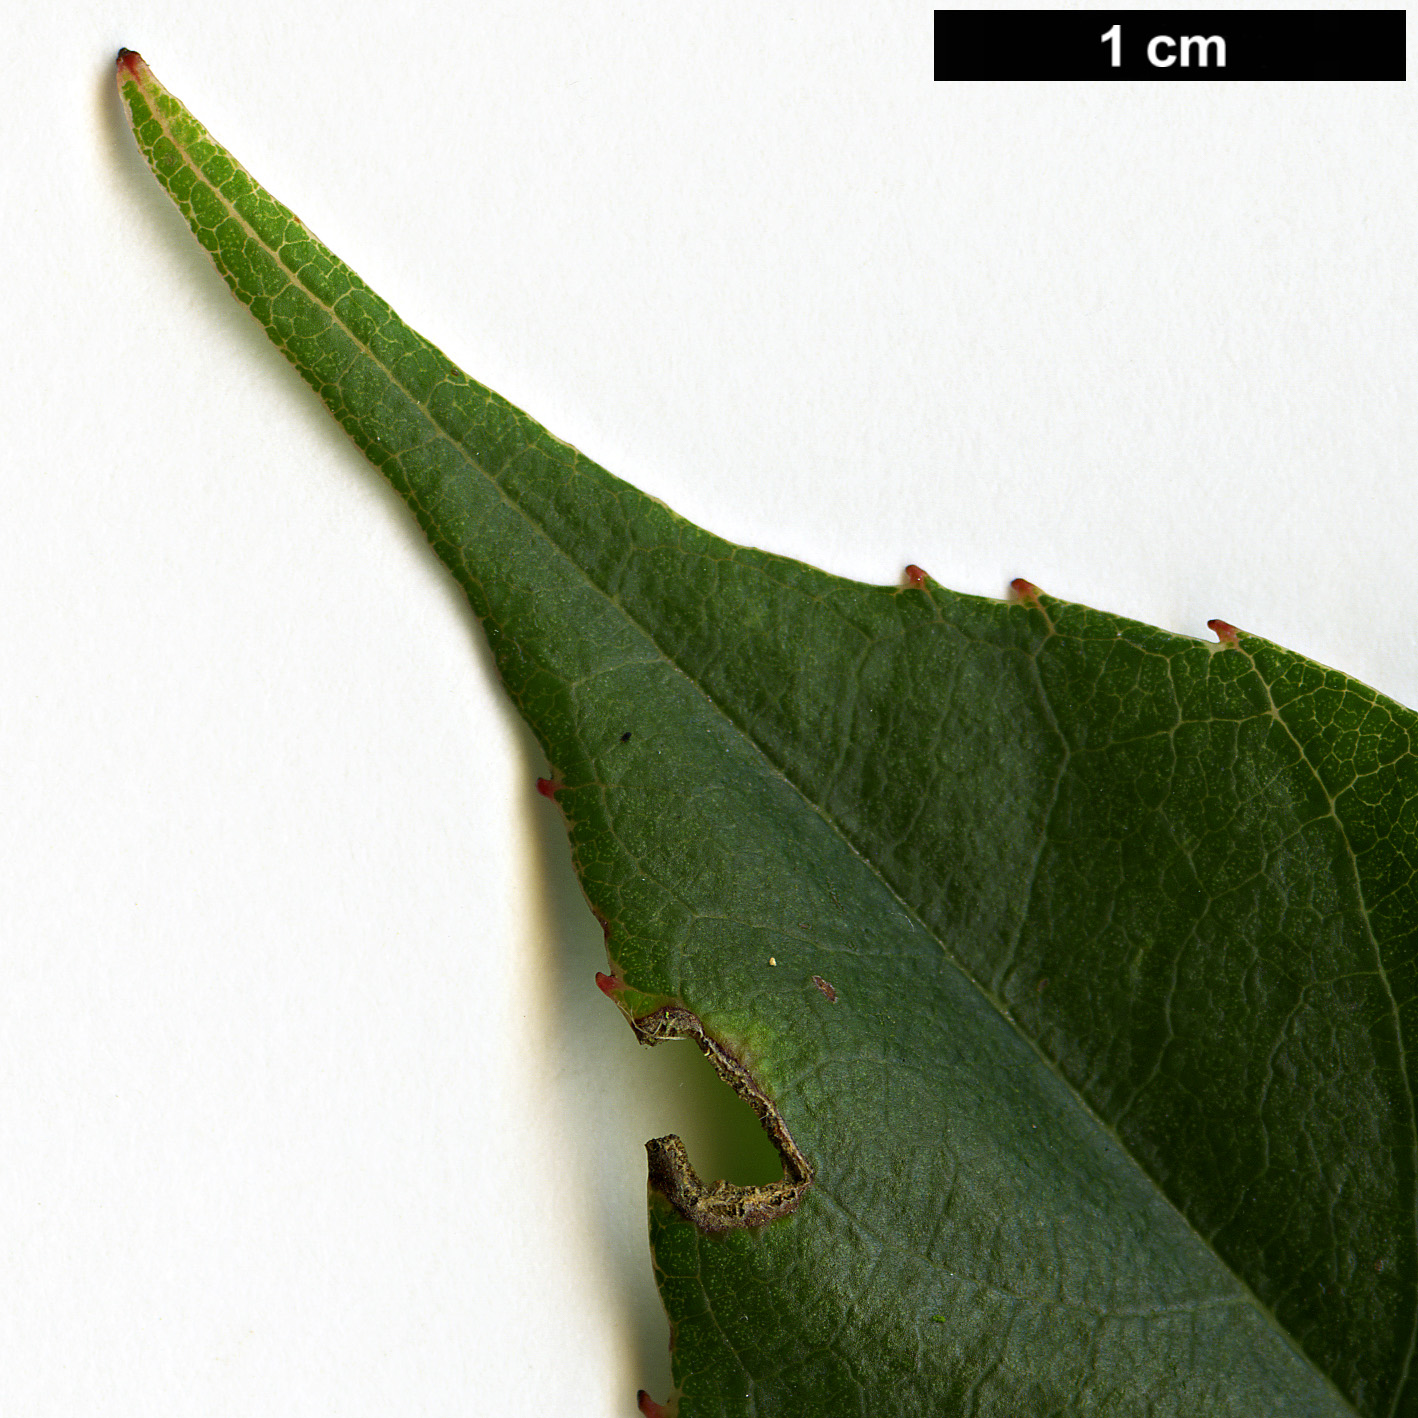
x=634, y=1004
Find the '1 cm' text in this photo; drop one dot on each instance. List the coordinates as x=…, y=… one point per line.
x=1163, y=50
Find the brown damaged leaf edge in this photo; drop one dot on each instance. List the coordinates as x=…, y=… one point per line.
x=724, y=1206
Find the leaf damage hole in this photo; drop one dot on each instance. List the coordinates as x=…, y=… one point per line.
x=721, y=1206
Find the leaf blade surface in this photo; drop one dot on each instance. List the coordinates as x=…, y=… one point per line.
x=1111, y=1111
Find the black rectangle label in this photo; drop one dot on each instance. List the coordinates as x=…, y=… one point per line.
x=1171, y=45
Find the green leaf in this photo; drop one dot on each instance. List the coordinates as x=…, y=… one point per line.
x=1067, y=961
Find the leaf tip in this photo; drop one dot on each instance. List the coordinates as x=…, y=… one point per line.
x=1226, y=634
x=131, y=65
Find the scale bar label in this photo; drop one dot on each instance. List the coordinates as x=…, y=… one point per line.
x=1173, y=46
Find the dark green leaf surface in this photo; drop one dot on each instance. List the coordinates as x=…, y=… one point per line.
x=1111, y=1112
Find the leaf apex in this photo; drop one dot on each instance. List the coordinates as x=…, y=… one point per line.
x=131, y=65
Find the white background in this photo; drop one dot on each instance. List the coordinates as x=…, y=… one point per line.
x=308, y=1104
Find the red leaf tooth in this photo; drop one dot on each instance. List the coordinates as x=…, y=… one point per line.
x=649, y=1407
x=1025, y=590
x=547, y=788
x=1225, y=633
x=608, y=984
x=129, y=62
x=915, y=575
